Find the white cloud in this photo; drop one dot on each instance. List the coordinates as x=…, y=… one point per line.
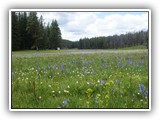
x=76, y=25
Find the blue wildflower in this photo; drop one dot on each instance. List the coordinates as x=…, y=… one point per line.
x=146, y=93
x=83, y=69
x=141, y=88
x=39, y=70
x=130, y=61
x=92, y=72
x=65, y=102
x=84, y=63
x=118, y=82
x=44, y=70
x=53, y=67
x=61, y=66
x=102, y=82
x=120, y=63
x=89, y=83
x=67, y=70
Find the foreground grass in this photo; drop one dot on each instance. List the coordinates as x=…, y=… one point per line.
x=97, y=80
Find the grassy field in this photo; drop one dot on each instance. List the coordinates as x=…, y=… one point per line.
x=80, y=79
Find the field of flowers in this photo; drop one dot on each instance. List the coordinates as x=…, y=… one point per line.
x=80, y=79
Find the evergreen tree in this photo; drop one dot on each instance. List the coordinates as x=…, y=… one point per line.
x=22, y=30
x=33, y=30
x=15, y=32
x=55, y=35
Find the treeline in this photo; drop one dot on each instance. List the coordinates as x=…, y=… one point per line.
x=30, y=32
x=111, y=42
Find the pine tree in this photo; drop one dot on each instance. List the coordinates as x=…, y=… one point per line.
x=15, y=32
x=55, y=35
x=33, y=30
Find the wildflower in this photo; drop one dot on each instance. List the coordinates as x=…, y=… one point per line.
x=68, y=86
x=89, y=83
x=61, y=66
x=141, y=88
x=84, y=63
x=49, y=67
x=58, y=106
x=65, y=102
x=40, y=97
x=45, y=70
x=120, y=63
x=146, y=93
x=53, y=91
x=130, y=61
x=83, y=69
x=117, y=81
x=59, y=92
x=39, y=70
x=102, y=82
x=67, y=70
x=92, y=72
x=53, y=67
x=66, y=91
x=49, y=86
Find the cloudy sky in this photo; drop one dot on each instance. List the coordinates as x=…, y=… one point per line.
x=76, y=25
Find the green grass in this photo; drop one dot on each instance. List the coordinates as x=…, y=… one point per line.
x=134, y=47
x=105, y=79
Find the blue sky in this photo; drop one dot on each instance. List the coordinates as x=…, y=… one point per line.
x=76, y=25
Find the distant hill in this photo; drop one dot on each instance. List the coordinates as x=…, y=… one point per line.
x=66, y=44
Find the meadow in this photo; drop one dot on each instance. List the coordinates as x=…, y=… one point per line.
x=80, y=79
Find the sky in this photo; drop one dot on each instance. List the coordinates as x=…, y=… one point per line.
x=76, y=25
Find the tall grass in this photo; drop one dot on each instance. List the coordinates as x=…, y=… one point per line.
x=100, y=80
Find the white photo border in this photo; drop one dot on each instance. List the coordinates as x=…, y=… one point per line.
x=79, y=10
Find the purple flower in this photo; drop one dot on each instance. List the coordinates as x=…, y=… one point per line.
x=61, y=66
x=84, y=63
x=102, y=82
x=146, y=93
x=53, y=67
x=120, y=63
x=65, y=102
x=39, y=70
x=141, y=88
x=130, y=61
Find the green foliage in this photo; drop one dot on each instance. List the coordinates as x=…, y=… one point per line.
x=15, y=32
x=29, y=32
x=115, y=41
x=108, y=79
x=55, y=33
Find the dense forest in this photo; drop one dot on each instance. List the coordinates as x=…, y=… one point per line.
x=30, y=32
